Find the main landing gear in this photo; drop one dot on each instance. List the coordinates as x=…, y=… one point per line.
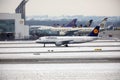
x=66, y=45
x=44, y=45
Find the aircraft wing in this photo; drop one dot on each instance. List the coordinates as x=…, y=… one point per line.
x=71, y=33
x=67, y=41
x=62, y=42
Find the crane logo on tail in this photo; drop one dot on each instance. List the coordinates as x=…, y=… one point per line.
x=95, y=31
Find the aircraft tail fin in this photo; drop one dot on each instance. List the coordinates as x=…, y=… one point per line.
x=88, y=24
x=72, y=23
x=103, y=22
x=95, y=31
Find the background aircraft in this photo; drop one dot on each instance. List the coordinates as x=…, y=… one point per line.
x=65, y=31
x=78, y=30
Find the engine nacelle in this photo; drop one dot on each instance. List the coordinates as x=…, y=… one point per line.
x=62, y=33
x=58, y=43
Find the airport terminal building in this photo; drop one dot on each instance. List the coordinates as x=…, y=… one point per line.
x=12, y=27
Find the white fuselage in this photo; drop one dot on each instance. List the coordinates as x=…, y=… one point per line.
x=70, y=39
x=63, y=30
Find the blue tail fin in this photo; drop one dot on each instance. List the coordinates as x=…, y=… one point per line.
x=95, y=31
x=90, y=22
x=72, y=23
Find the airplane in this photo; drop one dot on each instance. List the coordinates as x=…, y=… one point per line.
x=65, y=40
x=78, y=30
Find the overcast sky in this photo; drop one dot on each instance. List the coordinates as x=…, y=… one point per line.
x=64, y=7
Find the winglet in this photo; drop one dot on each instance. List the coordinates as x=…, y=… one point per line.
x=95, y=31
x=72, y=23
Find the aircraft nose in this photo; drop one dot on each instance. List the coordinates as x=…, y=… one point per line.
x=37, y=41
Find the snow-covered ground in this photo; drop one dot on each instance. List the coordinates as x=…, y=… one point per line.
x=83, y=71
x=100, y=49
